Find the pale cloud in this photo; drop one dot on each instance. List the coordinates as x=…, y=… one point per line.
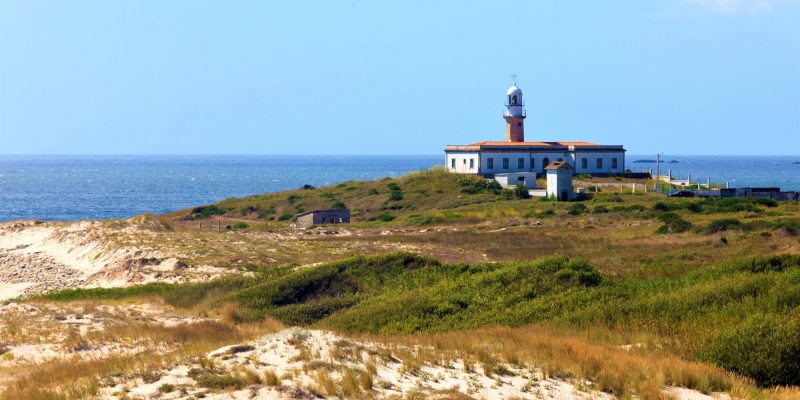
x=739, y=6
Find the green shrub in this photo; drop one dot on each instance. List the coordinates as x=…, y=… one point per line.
x=694, y=207
x=521, y=192
x=474, y=184
x=673, y=223
x=385, y=217
x=206, y=212
x=220, y=381
x=766, y=202
x=338, y=205
x=764, y=347
x=285, y=217
x=240, y=225
x=600, y=210
x=773, y=263
x=577, y=209
x=247, y=210
x=663, y=207
x=395, y=192
x=722, y=225
x=166, y=388
x=735, y=204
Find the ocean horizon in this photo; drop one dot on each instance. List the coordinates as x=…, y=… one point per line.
x=78, y=187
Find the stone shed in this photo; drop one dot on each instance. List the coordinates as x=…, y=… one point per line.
x=323, y=217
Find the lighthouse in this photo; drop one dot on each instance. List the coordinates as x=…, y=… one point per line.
x=514, y=114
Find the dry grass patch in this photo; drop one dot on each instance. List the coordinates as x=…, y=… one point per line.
x=566, y=354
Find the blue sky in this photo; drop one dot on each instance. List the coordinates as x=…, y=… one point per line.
x=400, y=77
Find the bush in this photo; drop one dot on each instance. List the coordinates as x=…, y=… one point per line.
x=722, y=225
x=694, y=207
x=600, y=210
x=240, y=225
x=338, y=205
x=661, y=206
x=385, y=217
x=577, y=209
x=764, y=347
x=206, y=212
x=395, y=192
x=766, y=202
x=307, y=187
x=285, y=217
x=521, y=192
x=220, y=381
x=474, y=184
x=774, y=263
x=673, y=223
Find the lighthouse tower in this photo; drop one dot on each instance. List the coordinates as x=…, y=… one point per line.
x=514, y=115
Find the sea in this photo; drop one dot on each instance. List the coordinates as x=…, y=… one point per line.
x=68, y=188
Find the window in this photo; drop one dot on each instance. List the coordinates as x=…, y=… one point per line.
x=533, y=163
x=471, y=163
x=490, y=163
x=584, y=163
x=545, y=162
x=599, y=163
x=521, y=163
x=505, y=163
x=614, y=163
x=453, y=163
x=513, y=100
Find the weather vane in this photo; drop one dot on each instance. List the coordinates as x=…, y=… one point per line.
x=514, y=78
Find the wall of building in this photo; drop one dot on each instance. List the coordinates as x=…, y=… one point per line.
x=591, y=162
x=558, y=181
x=512, y=179
x=459, y=162
x=320, y=217
x=513, y=161
x=481, y=161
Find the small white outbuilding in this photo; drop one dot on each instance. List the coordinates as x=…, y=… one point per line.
x=559, y=180
x=512, y=179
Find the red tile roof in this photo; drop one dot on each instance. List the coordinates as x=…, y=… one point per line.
x=505, y=144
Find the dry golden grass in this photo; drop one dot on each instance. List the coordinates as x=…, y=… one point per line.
x=565, y=353
x=78, y=378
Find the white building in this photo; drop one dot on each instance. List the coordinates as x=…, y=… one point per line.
x=559, y=181
x=515, y=155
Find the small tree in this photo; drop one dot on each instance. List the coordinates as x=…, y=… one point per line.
x=521, y=192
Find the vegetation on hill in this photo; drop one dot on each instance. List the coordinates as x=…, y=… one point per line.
x=688, y=286
x=712, y=314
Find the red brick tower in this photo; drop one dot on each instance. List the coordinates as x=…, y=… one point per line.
x=514, y=115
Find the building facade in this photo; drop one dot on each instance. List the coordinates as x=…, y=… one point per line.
x=516, y=155
x=323, y=217
x=559, y=181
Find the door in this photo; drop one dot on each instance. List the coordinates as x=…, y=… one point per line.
x=564, y=195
